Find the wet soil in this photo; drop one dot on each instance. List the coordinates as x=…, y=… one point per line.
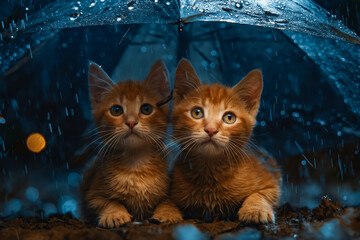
x=327, y=221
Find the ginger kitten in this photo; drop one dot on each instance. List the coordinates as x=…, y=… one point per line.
x=129, y=177
x=214, y=175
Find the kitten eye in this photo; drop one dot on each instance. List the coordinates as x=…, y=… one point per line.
x=229, y=118
x=146, y=109
x=197, y=113
x=116, y=110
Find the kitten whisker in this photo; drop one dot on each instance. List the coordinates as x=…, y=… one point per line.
x=99, y=138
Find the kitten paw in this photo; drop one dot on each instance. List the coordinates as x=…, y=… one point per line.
x=168, y=217
x=167, y=212
x=114, y=217
x=259, y=213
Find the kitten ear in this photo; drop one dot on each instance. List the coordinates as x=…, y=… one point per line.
x=158, y=79
x=249, y=89
x=186, y=80
x=99, y=83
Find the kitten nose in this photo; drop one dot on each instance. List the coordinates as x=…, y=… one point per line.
x=211, y=131
x=131, y=124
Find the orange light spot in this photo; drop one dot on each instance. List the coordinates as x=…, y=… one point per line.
x=35, y=142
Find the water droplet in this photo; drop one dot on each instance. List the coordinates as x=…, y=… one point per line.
x=168, y=3
x=239, y=5
x=281, y=21
x=74, y=16
x=131, y=5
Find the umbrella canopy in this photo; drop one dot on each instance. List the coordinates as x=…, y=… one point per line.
x=21, y=37
x=300, y=16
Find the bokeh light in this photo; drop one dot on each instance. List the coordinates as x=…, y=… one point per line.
x=49, y=209
x=68, y=204
x=12, y=207
x=2, y=120
x=36, y=142
x=74, y=179
x=32, y=194
x=188, y=232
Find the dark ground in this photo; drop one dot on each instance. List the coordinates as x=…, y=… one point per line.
x=327, y=221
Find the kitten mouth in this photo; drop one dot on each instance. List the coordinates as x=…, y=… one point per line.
x=210, y=142
x=131, y=133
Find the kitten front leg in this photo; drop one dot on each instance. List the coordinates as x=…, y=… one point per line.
x=114, y=215
x=258, y=207
x=168, y=212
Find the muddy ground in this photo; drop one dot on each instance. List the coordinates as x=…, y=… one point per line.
x=327, y=221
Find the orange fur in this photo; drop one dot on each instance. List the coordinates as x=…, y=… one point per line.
x=216, y=175
x=129, y=177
